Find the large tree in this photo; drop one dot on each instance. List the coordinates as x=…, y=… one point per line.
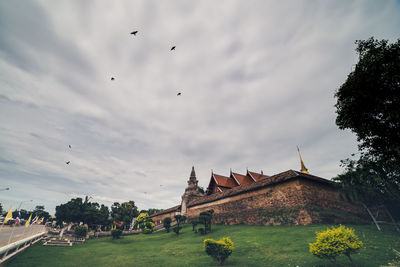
x=124, y=212
x=77, y=210
x=368, y=104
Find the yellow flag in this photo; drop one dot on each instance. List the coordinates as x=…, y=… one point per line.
x=28, y=221
x=8, y=216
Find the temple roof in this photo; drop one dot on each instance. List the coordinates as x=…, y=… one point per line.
x=241, y=179
x=256, y=176
x=266, y=181
x=223, y=181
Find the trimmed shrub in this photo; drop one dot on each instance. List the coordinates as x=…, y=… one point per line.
x=202, y=231
x=81, y=231
x=145, y=223
x=334, y=242
x=167, y=223
x=219, y=250
x=180, y=219
x=116, y=234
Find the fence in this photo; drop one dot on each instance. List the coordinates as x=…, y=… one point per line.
x=13, y=249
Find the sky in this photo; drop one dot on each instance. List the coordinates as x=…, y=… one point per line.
x=257, y=78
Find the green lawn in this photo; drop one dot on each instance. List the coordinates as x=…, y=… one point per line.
x=254, y=246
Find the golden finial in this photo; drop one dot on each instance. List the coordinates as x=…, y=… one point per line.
x=303, y=167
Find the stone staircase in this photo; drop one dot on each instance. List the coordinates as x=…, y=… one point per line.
x=58, y=242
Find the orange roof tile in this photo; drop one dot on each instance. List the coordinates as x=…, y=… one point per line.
x=241, y=179
x=224, y=181
x=256, y=176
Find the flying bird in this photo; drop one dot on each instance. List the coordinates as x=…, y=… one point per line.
x=134, y=32
x=68, y=162
x=173, y=48
x=178, y=94
x=112, y=78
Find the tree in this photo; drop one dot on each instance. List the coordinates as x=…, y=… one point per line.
x=219, y=250
x=1, y=209
x=151, y=211
x=40, y=212
x=180, y=219
x=124, y=212
x=334, y=242
x=76, y=210
x=369, y=100
x=167, y=223
x=145, y=223
x=72, y=211
x=368, y=104
x=205, y=219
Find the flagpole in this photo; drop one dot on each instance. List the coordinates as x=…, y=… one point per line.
x=13, y=228
x=6, y=216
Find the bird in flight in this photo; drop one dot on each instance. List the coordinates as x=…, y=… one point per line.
x=134, y=32
x=178, y=94
x=173, y=48
x=112, y=78
x=69, y=146
x=68, y=162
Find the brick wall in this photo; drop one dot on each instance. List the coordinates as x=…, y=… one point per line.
x=297, y=201
x=159, y=218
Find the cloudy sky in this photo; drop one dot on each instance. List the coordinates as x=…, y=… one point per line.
x=257, y=78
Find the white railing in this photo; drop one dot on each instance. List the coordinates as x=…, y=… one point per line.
x=13, y=249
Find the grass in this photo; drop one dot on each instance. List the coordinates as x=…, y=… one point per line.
x=254, y=246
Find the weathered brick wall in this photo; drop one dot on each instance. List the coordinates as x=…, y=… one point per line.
x=325, y=196
x=159, y=218
x=289, y=202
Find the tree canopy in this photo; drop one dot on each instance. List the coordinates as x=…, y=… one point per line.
x=76, y=210
x=369, y=100
x=368, y=103
x=124, y=212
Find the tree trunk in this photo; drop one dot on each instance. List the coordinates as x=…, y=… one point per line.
x=372, y=216
x=390, y=215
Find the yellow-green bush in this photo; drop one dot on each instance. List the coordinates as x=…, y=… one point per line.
x=219, y=250
x=334, y=242
x=144, y=222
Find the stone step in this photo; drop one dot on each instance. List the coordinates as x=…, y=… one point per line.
x=59, y=243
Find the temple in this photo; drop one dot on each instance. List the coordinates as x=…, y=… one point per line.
x=289, y=197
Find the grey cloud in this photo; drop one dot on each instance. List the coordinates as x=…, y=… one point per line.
x=257, y=79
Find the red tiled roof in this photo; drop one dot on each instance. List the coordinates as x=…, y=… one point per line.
x=257, y=176
x=224, y=181
x=241, y=179
x=175, y=208
x=278, y=178
x=222, y=189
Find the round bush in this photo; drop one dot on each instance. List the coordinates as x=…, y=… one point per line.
x=116, y=233
x=219, y=250
x=334, y=242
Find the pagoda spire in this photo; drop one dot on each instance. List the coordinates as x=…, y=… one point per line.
x=193, y=173
x=303, y=167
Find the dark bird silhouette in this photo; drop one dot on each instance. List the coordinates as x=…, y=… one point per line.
x=178, y=94
x=68, y=162
x=69, y=146
x=173, y=48
x=112, y=78
x=134, y=32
